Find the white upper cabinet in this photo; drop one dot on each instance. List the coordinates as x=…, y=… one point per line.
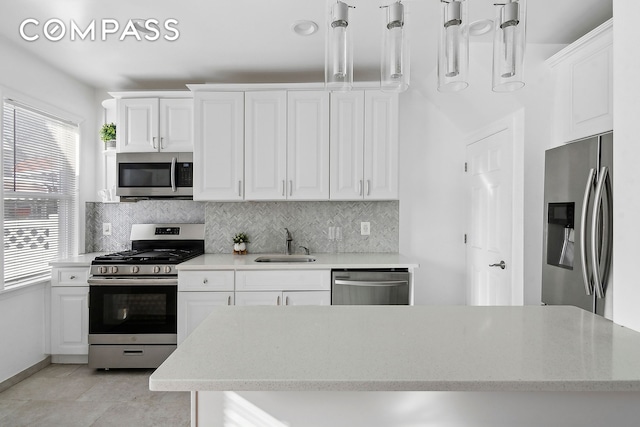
x=265, y=139
x=380, y=145
x=347, y=145
x=154, y=124
x=583, y=73
x=219, y=146
x=308, y=145
x=287, y=145
x=176, y=125
x=364, y=145
x=295, y=145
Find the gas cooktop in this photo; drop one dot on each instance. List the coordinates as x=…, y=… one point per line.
x=143, y=256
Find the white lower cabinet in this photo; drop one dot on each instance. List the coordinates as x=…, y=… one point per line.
x=283, y=280
x=69, y=314
x=194, y=307
x=199, y=293
x=70, y=320
x=284, y=298
x=307, y=298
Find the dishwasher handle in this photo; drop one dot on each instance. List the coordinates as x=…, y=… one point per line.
x=371, y=282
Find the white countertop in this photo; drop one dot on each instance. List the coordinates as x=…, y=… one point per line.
x=376, y=348
x=323, y=261
x=82, y=260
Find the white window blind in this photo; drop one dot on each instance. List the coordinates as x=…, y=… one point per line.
x=39, y=159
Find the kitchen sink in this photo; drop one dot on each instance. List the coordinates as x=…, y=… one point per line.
x=285, y=258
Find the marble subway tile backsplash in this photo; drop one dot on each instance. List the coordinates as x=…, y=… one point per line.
x=264, y=223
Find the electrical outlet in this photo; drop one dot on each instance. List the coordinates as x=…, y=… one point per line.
x=106, y=229
x=365, y=228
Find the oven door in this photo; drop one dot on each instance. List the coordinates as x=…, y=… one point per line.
x=154, y=174
x=126, y=313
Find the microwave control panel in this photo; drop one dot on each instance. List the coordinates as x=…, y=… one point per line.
x=185, y=175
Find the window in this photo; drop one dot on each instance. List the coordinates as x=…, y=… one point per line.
x=39, y=160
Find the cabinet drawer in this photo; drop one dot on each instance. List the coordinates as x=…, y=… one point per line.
x=70, y=276
x=283, y=280
x=205, y=280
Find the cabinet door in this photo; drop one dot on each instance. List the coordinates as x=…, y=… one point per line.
x=265, y=145
x=308, y=145
x=219, y=146
x=259, y=298
x=71, y=276
x=583, y=72
x=307, y=298
x=194, y=307
x=176, y=125
x=592, y=93
x=380, y=145
x=206, y=280
x=137, y=129
x=347, y=145
x=70, y=320
x=283, y=280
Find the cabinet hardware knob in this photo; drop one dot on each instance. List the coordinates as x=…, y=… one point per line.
x=205, y=281
x=72, y=277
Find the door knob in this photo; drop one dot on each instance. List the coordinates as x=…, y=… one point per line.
x=501, y=264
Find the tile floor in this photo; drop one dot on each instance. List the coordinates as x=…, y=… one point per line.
x=74, y=395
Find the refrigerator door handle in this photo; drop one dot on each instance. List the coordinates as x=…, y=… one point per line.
x=598, y=274
x=583, y=233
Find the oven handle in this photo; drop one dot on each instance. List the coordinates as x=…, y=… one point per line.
x=133, y=282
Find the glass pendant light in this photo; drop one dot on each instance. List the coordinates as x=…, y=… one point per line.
x=394, y=63
x=338, y=71
x=453, y=49
x=508, y=46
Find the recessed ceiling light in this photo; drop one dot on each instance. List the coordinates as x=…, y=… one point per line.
x=478, y=28
x=304, y=28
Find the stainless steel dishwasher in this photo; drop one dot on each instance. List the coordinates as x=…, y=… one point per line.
x=370, y=287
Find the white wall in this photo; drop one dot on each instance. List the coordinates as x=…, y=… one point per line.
x=433, y=127
x=431, y=192
x=24, y=320
x=626, y=152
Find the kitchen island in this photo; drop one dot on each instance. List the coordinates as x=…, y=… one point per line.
x=366, y=350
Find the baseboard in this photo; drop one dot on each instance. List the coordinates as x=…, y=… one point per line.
x=74, y=359
x=25, y=374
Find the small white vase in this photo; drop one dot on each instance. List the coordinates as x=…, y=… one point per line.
x=239, y=247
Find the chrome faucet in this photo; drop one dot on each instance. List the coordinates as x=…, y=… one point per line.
x=289, y=239
x=306, y=249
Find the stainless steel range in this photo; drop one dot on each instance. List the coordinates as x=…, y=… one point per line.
x=133, y=296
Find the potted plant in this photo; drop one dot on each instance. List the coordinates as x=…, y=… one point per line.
x=239, y=243
x=108, y=135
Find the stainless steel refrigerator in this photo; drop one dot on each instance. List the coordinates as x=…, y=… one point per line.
x=578, y=223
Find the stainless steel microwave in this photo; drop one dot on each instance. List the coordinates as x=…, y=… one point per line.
x=154, y=175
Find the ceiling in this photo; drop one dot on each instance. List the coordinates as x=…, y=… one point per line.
x=251, y=41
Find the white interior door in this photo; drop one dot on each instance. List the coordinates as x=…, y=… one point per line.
x=489, y=222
